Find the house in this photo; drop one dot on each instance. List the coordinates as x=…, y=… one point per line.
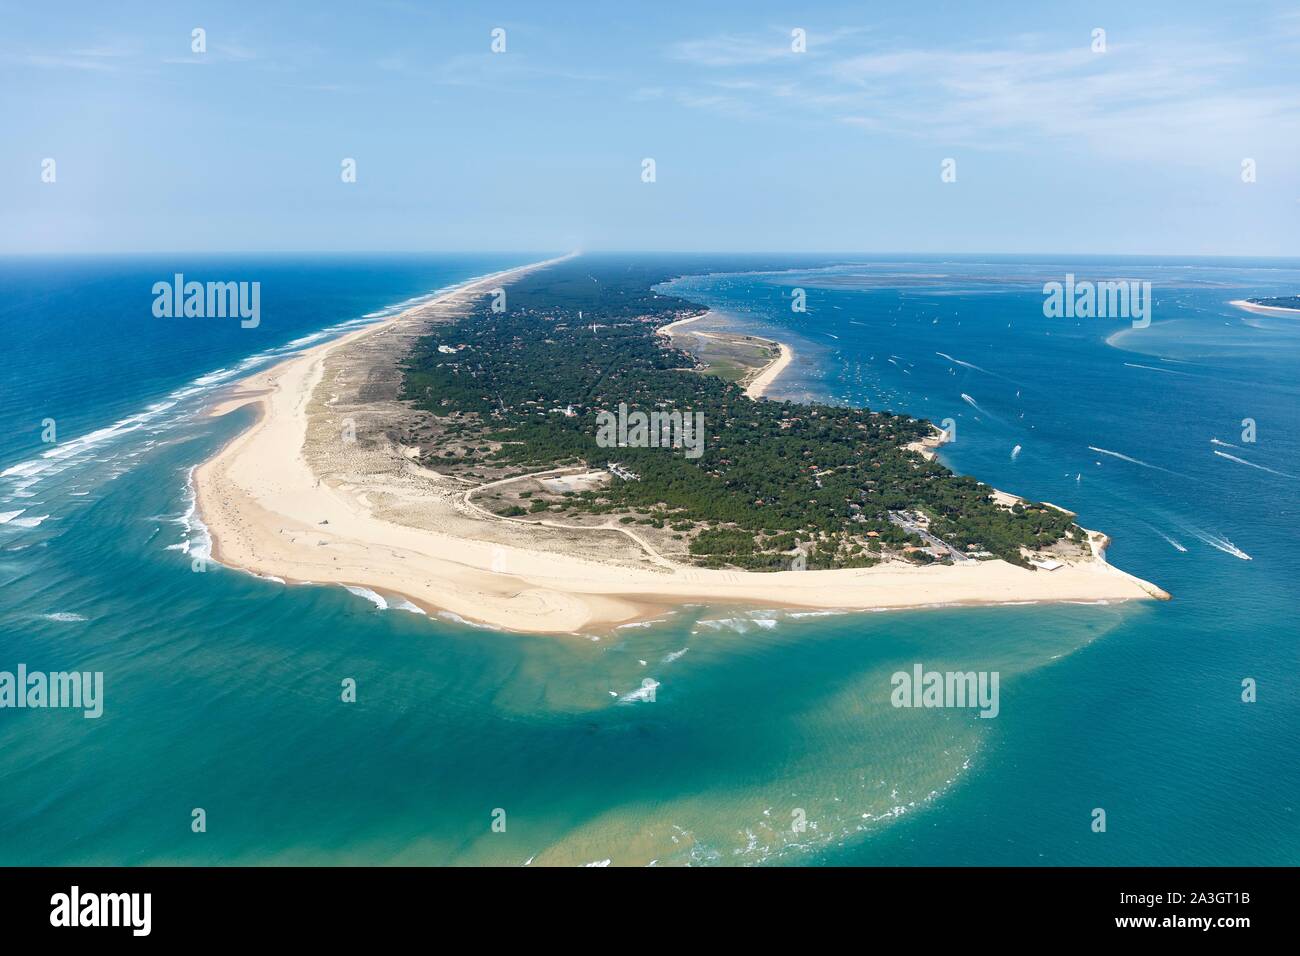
x=621, y=472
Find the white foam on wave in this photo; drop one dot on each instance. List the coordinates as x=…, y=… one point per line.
x=32, y=522
x=84, y=448
x=375, y=599
x=70, y=452
x=176, y=407
x=456, y=618
x=725, y=624
x=645, y=692
x=63, y=617
x=741, y=625
x=196, y=540
x=22, y=469
x=674, y=656
x=306, y=340
x=403, y=604
x=8, y=516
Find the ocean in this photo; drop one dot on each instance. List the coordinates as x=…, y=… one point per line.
x=770, y=737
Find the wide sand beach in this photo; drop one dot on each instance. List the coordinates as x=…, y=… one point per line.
x=312, y=491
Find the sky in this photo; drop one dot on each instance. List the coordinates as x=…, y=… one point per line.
x=1055, y=145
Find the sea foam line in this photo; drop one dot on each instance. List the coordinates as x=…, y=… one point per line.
x=78, y=451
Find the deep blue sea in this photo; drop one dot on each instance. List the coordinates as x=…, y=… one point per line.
x=221, y=689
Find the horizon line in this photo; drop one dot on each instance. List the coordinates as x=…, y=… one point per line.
x=104, y=253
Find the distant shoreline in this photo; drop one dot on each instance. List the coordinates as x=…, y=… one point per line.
x=671, y=328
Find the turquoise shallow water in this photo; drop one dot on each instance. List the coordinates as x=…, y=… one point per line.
x=222, y=690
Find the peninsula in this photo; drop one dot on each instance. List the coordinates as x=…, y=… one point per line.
x=451, y=455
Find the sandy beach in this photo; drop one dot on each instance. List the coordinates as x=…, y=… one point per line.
x=671, y=328
x=313, y=491
x=1265, y=309
x=764, y=379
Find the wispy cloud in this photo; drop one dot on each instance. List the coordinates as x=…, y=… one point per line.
x=218, y=52
x=730, y=50
x=776, y=43
x=1182, y=99
x=95, y=59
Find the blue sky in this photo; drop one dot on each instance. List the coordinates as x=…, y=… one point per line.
x=1058, y=148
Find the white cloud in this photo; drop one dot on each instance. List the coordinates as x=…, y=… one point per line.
x=1176, y=99
x=98, y=59
x=730, y=50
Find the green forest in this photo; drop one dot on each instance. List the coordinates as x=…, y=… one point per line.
x=521, y=389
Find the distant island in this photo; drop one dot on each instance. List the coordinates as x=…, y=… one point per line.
x=1270, y=305
x=561, y=446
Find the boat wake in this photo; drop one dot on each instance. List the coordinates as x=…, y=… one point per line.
x=1176, y=545
x=1251, y=464
x=1135, y=461
x=1223, y=544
